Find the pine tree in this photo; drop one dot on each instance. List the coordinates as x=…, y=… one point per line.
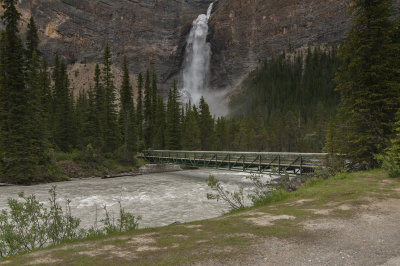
x=100, y=107
x=159, y=138
x=32, y=39
x=369, y=82
x=173, y=128
x=206, y=123
x=191, y=130
x=81, y=115
x=148, y=112
x=63, y=131
x=111, y=132
x=139, y=109
x=127, y=115
x=20, y=106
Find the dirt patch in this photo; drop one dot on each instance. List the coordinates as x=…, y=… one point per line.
x=243, y=235
x=148, y=248
x=98, y=251
x=320, y=211
x=268, y=219
x=299, y=202
x=345, y=207
x=192, y=226
x=45, y=260
x=323, y=224
x=180, y=236
x=139, y=240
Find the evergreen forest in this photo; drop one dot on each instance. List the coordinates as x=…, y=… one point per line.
x=337, y=99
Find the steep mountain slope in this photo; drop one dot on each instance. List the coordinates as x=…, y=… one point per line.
x=152, y=33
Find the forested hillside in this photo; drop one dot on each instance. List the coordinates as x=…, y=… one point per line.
x=292, y=97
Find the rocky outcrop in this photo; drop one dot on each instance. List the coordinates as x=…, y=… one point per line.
x=152, y=33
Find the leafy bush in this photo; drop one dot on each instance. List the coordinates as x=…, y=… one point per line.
x=28, y=225
x=390, y=164
x=234, y=199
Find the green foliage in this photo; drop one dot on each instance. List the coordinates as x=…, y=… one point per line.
x=390, y=164
x=127, y=116
x=173, y=127
x=206, y=125
x=234, y=199
x=111, y=131
x=285, y=103
x=369, y=81
x=29, y=225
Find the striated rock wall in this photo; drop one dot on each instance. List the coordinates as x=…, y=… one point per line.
x=152, y=33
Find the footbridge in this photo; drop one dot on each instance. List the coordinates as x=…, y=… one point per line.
x=254, y=162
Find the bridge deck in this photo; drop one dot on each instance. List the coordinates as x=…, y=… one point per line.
x=241, y=161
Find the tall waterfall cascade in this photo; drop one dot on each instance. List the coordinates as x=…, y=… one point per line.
x=196, y=67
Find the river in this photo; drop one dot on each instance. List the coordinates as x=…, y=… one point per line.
x=160, y=199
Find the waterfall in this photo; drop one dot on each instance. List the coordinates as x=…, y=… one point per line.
x=196, y=66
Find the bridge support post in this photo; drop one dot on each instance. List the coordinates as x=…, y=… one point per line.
x=279, y=164
x=259, y=164
x=229, y=162
x=301, y=165
x=244, y=160
x=216, y=160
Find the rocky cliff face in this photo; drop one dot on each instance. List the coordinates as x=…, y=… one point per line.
x=152, y=33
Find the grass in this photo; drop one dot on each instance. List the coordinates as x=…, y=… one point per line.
x=231, y=235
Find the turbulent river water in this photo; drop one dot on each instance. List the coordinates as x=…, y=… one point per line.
x=160, y=199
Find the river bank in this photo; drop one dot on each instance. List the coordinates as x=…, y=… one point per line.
x=347, y=220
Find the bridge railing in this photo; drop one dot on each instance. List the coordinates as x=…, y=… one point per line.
x=241, y=161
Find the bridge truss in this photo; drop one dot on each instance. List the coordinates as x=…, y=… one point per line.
x=254, y=162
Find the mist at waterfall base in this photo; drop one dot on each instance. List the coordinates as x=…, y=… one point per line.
x=196, y=68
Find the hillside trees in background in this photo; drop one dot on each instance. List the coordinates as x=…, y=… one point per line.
x=287, y=102
x=22, y=154
x=369, y=81
x=127, y=116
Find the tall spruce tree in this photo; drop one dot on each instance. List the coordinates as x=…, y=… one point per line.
x=148, y=111
x=173, y=128
x=206, y=123
x=191, y=130
x=159, y=137
x=63, y=117
x=139, y=109
x=100, y=107
x=368, y=81
x=127, y=115
x=32, y=40
x=111, y=132
x=20, y=106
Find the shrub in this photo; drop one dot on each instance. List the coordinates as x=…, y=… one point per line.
x=390, y=164
x=28, y=225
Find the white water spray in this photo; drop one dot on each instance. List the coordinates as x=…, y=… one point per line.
x=197, y=63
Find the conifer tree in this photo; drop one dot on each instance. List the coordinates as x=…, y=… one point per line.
x=148, y=111
x=191, y=130
x=63, y=131
x=20, y=105
x=32, y=40
x=139, y=108
x=81, y=119
x=127, y=115
x=173, y=127
x=369, y=82
x=111, y=132
x=100, y=107
x=47, y=96
x=159, y=137
x=206, y=123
